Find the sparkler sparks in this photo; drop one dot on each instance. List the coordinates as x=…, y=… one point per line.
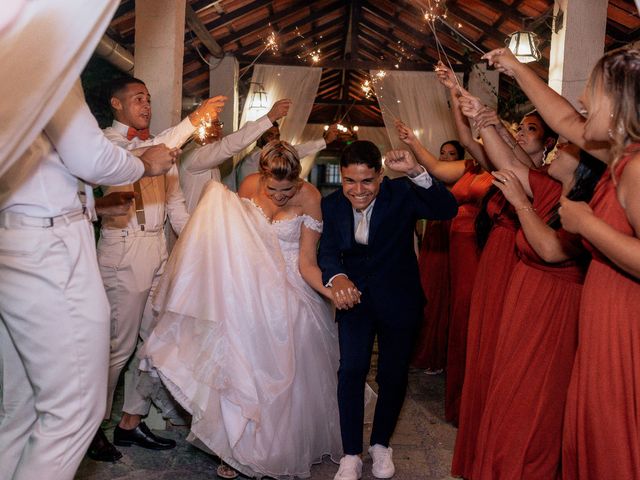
x=436, y=9
x=272, y=43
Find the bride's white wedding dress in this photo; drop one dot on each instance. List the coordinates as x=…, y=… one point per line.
x=243, y=342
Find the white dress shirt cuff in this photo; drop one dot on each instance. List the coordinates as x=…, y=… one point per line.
x=329, y=284
x=423, y=180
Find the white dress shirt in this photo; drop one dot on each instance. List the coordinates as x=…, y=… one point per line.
x=199, y=164
x=161, y=195
x=44, y=182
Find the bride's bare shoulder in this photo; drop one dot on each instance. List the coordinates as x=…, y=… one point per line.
x=310, y=199
x=249, y=186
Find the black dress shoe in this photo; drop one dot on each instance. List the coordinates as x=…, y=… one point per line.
x=102, y=450
x=142, y=437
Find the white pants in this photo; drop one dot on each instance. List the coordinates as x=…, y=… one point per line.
x=54, y=349
x=131, y=265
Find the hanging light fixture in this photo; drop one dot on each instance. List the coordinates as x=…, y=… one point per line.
x=524, y=46
x=259, y=99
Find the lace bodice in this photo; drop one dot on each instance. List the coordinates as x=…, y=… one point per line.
x=288, y=232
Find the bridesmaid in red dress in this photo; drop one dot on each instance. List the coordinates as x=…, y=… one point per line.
x=471, y=185
x=533, y=139
x=602, y=420
x=521, y=429
x=433, y=260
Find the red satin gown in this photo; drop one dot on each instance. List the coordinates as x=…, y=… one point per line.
x=463, y=263
x=602, y=422
x=494, y=272
x=520, y=433
x=433, y=260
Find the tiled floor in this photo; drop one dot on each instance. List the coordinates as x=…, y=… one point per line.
x=422, y=444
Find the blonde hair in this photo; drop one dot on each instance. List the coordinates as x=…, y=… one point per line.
x=280, y=160
x=618, y=73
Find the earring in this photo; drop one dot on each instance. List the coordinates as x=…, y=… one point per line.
x=610, y=130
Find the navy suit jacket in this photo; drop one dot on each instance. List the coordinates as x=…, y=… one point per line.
x=385, y=270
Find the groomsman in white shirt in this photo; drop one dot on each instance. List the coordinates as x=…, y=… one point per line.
x=132, y=254
x=199, y=164
x=54, y=314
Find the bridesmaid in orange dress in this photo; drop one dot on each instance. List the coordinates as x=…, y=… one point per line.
x=471, y=184
x=433, y=260
x=602, y=420
x=497, y=261
x=521, y=428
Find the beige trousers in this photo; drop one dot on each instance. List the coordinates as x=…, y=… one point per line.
x=131, y=264
x=54, y=348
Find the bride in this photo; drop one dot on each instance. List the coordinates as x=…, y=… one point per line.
x=243, y=341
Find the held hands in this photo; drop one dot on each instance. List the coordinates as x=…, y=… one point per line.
x=114, y=204
x=344, y=293
x=487, y=117
x=469, y=105
x=503, y=60
x=445, y=76
x=573, y=214
x=403, y=162
x=157, y=159
x=279, y=109
x=512, y=189
x=405, y=133
x=208, y=110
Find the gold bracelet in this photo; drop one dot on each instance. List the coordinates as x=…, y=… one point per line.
x=526, y=208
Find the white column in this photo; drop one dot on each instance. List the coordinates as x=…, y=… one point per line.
x=484, y=84
x=577, y=46
x=159, y=56
x=158, y=60
x=223, y=80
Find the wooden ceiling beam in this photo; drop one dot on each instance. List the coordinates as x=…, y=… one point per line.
x=412, y=31
x=202, y=33
x=278, y=17
x=227, y=18
x=340, y=64
x=290, y=28
x=390, y=46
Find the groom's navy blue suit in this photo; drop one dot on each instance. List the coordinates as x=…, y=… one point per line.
x=386, y=272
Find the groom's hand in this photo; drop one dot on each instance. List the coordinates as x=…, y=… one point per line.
x=344, y=293
x=402, y=161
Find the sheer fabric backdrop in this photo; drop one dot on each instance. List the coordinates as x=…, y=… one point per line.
x=72, y=30
x=420, y=101
x=300, y=84
x=312, y=131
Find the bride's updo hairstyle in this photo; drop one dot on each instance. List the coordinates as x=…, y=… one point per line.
x=279, y=160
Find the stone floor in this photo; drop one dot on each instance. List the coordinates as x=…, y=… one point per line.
x=422, y=444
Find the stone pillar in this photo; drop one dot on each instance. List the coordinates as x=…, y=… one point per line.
x=223, y=80
x=159, y=56
x=576, y=44
x=484, y=84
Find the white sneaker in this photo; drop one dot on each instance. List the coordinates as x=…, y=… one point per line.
x=382, y=464
x=350, y=468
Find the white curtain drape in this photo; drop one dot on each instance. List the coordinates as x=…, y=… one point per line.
x=300, y=84
x=312, y=131
x=420, y=101
x=43, y=48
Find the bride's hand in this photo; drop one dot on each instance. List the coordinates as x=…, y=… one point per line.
x=344, y=293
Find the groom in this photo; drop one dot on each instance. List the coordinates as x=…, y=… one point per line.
x=367, y=258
